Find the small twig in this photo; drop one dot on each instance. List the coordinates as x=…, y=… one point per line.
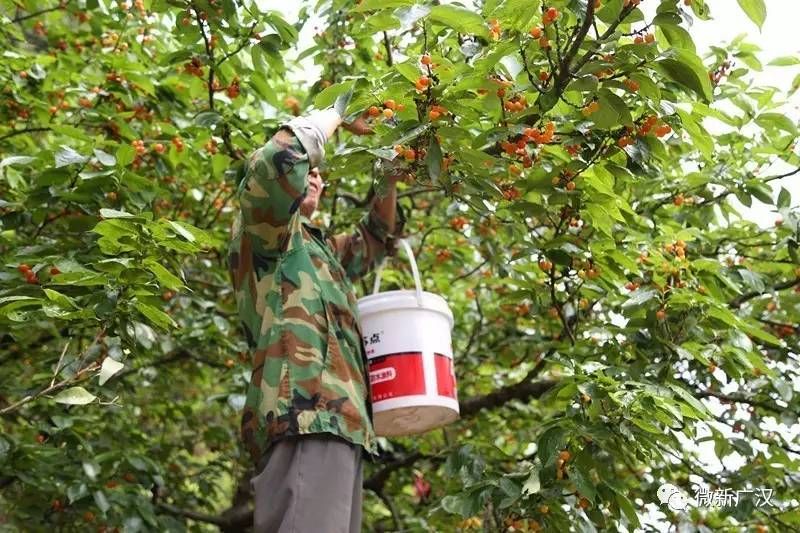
x=739, y=300
x=62, y=5
x=476, y=327
x=241, y=46
x=727, y=192
x=388, y=46
x=58, y=365
x=20, y=132
x=60, y=385
x=396, y=517
x=565, y=72
x=219, y=211
x=471, y=272
x=209, y=53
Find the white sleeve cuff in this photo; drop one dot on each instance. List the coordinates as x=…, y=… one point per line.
x=313, y=131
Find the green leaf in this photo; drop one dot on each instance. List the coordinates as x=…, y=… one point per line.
x=101, y=501
x=613, y=111
x=511, y=492
x=410, y=70
x=785, y=61
x=639, y=297
x=71, y=132
x=532, y=485
x=686, y=69
x=61, y=299
x=114, y=213
x=109, y=368
x=77, y=492
x=164, y=276
x=5, y=446
x=369, y=5
x=125, y=155
x=459, y=504
x=460, y=19
x=329, y=95
x=756, y=10
x=698, y=409
x=700, y=136
x=75, y=396
x=723, y=315
x=517, y=14
x=16, y=160
x=155, y=316
x=600, y=218
x=756, y=331
x=433, y=159
x=287, y=32
x=10, y=303
x=105, y=158
x=68, y=156
x=627, y=508
x=784, y=198
x=776, y=120
x=194, y=234
x=612, y=101
x=582, y=481
x=677, y=36
x=207, y=118
x=145, y=82
x=550, y=443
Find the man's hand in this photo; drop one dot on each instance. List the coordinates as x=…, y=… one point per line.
x=359, y=126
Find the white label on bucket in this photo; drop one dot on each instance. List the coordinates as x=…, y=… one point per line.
x=406, y=330
x=384, y=374
x=372, y=341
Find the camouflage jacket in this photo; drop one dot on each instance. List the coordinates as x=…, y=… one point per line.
x=297, y=305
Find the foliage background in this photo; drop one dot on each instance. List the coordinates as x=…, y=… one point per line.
x=625, y=318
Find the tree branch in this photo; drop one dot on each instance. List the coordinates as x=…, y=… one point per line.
x=739, y=399
x=396, y=518
x=237, y=518
x=194, y=515
x=61, y=5
x=564, y=71
x=77, y=378
x=522, y=391
x=387, y=45
x=20, y=132
x=593, y=48
x=739, y=300
x=728, y=192
x=471, y=272
x=377, y=480
x=238, y=49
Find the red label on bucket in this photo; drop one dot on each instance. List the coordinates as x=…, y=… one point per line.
x=445, y=377
x=397, y=374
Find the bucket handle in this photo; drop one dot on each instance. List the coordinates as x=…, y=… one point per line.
x=414, y=270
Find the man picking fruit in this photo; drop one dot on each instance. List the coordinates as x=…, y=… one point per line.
x=307, y=416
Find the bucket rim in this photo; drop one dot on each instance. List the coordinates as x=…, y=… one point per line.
x=412, y=292
x=440, y=305
x=443, y=306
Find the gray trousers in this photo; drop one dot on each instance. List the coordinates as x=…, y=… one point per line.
x=309, y=484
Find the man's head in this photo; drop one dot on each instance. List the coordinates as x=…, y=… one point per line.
x=311, y=201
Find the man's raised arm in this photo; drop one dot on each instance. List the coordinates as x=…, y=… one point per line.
x=361, y=251
x=276, y=176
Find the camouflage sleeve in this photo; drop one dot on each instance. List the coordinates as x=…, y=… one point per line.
x=361, y=251
x=277, y=177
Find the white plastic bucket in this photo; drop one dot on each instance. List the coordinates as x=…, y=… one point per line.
x=410, y=357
